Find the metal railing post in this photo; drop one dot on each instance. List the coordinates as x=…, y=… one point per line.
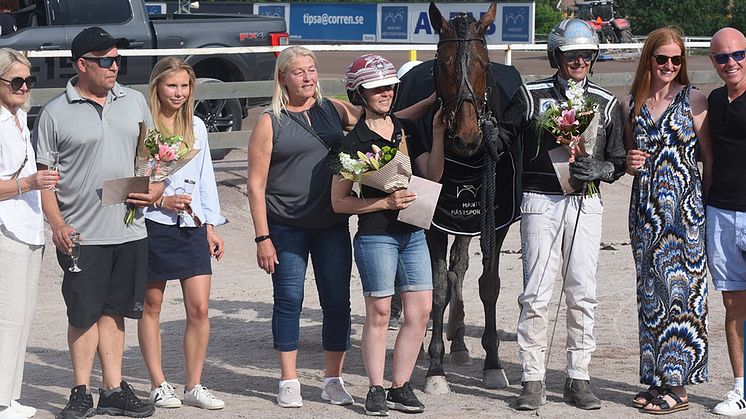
x=509, y=55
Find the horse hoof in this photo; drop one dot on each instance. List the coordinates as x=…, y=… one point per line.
x=436, y=384
x=504, y=336
x=461, y=358
x=494, y=379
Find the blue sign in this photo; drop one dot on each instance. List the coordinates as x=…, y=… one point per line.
x=394, y=21
x=272, y=11
x=155, y=9
x=335, y=21
x=515, y=24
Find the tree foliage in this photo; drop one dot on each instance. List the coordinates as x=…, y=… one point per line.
x=546, y=16
x=693, y=17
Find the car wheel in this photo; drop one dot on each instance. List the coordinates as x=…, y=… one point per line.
x=219, y=115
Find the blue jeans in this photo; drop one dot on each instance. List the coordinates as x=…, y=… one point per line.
x=389, y=262
x=331, y=254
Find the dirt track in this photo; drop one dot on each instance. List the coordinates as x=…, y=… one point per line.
x=242, y=367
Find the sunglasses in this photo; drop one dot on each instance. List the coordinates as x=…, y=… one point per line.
x=17, y=82
x=663, y=59
x=725, y=57
x=105, y=62
x=586, y=55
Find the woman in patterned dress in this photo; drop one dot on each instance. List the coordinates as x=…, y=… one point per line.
x=667, y=133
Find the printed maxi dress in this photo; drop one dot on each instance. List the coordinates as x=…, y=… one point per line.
x=667, y=232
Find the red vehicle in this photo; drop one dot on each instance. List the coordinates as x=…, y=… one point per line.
x=601, y=16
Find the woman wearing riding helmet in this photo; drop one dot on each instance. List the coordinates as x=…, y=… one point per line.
x=390, y=255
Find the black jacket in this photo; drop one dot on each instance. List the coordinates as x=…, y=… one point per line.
x=519, y=124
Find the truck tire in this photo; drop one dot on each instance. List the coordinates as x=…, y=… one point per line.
x=626, y=36
x=219, y=115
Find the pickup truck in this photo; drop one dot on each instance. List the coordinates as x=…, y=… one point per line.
x=45, y=25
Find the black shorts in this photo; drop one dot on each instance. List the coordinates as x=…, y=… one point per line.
x=112, y=281
x=176, y=252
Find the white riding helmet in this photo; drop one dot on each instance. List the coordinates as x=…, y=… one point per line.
x=571, y=35
x=406, y=67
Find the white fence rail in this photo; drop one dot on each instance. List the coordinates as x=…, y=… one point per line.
x=230, y=90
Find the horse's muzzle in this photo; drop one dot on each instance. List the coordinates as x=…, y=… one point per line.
x=465, y=146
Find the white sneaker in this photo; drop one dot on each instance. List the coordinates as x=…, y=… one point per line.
x=164, y=396
x=27, y=411
x=289, y=395
x=336, y=393
x=201, y=397
x=733, y=405
x=10, y=413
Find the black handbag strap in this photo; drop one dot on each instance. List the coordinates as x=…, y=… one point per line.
x=307, y=128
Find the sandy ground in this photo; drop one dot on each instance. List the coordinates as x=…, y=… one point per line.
x=241, y=364
x=242, y=367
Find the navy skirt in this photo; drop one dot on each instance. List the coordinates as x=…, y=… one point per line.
x=176, y=252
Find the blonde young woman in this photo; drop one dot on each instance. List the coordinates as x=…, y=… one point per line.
x=179, y=249
x=667, y=133
x=21, y=228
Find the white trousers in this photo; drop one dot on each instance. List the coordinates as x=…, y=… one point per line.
x=547, y=224
x=20, y=264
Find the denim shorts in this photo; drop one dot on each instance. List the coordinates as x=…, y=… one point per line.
x=726, y=248
x=393, y=262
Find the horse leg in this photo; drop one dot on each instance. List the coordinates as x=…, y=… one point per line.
x=435, y=380
x=489, y=289
x=457, y=267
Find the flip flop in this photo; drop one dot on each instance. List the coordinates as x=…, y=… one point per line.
x=666, y=408
x=647, y=395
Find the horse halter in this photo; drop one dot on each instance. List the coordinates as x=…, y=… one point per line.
x=465, y=90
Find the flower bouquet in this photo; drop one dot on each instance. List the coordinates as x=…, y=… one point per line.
x=385, y=168
x=158, y=157
x=574, y=124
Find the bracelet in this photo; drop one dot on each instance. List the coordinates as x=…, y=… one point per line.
x=18, y=185
x=261, y=238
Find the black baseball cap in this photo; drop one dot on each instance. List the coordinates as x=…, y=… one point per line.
x=95, y=39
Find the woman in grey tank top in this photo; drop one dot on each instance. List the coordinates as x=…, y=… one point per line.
x=288, y=184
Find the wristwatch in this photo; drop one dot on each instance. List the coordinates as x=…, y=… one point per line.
x=261, y=238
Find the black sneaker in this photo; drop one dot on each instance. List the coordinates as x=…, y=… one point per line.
x=375, y=402
x=79, y=406
x=404, y=400
x=123, y=403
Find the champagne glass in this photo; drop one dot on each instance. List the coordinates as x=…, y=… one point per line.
x=54, y=161
x=186, y=189
x=75, y=254
x=189, y=186
x=641, y=140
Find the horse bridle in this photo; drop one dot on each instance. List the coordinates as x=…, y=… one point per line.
x=465, y=90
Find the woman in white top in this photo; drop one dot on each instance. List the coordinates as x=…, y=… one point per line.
x=181, y=238
x=21, y=228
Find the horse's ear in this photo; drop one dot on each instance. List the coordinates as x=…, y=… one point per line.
x=487, y=20
x=436, y=19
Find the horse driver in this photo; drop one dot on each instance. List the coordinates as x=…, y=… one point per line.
x=561, y=229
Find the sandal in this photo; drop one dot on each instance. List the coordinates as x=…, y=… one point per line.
x=663, y=407
x=648, y=395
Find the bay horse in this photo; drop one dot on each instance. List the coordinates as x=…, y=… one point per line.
x=471, y=203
